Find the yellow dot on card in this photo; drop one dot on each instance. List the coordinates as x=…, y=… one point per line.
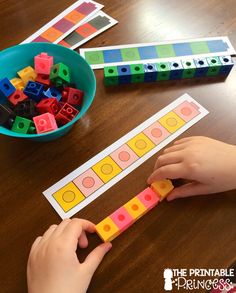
x=140, y=144
x=68, y=196
x=171, y=122
x=107, y=169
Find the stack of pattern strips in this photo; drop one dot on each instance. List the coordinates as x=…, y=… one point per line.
x=125, y=216
x=40, y=99
x=177, y=69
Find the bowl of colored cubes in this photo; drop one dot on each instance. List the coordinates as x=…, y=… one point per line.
x=44, y=89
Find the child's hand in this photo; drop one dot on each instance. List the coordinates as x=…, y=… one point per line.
x=208, y=164
x=53, y=266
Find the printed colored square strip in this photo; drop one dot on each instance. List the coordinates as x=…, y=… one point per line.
x=86, y=31
x=125, y=216
x=90, y=180
x=132, y=54
x=65, y=23
x=178, y=69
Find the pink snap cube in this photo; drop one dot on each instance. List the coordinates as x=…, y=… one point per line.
x=122, y=219
x=148, y=198
x=45, y=123
x=43, y=63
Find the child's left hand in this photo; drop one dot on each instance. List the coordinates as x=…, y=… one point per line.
x=53, y=266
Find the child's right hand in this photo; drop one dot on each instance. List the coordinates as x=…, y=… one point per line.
x=53, y=266
x=208, y=164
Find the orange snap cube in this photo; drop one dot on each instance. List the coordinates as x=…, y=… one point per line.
x=162, y=188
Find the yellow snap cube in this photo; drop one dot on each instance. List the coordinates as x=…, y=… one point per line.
x=141, y=144
x=171, y=122
x=162, y=188
x=68, y=196
x=18, y=83
x=135, y=208
x=107, y=230
x=26, y=74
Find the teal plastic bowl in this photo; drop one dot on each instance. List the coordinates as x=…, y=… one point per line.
x=16, y=58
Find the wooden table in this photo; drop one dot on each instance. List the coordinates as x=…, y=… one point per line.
x=196, y=232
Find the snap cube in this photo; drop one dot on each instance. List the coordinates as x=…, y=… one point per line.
x=135, y=208
x=17, y=83
x=17, y=97
x=107, y=229
x=189, y=68
x=6, y=89
x=43, y=63
x=72, y=96
x=137, y=73
x=150, y=72
x=34, y=90
x=124, y=74
x=148, y=198
x=48, y=105
x=66, y=114
x=26, y=109
x=201, y=67
x=162, y=188
x=163, y=71
x=6, y=116
x=227, y=64
x=53, y=93
x=26, y=74
x=110, y=75
x=44, y=79
x=214, y=66
x=60, y=74
x=21, y=125
x=176, y=70
x=45, y=123
x=122, y=219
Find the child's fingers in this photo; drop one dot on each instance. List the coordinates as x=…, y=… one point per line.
x=186, y=190
x=93, y=260
x=74, y=229
x=167, y=159
x=173, y=148
x=49, y=232
x=83, y=241
x=60, y=228
x=183, y=140
x=174, y=171
x=35, y=244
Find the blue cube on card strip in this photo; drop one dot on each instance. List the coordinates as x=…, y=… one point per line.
x=150, y=72
x=201, y=67
x=176, y=70
x=124, y=74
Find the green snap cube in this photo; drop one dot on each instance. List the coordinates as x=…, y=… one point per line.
x=214, y=66
x=163, y=70
x=137, y=73
x=110, y=75
x=60, y=74
x=189, y=68
x=22, y=125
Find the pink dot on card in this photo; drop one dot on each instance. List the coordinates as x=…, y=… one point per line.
x=124, y=156
x=156, y=132
x=88, y=182
x=186, y=111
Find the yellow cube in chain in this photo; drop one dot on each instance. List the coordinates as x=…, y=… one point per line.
x=162, y=188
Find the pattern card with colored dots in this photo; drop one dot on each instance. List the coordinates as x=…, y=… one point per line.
x=66, y=22
x=86, y=183
x=85, y=32
x=149, y=52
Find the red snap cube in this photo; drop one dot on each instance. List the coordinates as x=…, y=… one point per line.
x=16, y=97
x=66, y=114
x=50, y=105
x=73, y=96
x=44, y=79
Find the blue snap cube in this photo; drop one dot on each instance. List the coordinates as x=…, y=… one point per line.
x=150, y=72
x=52, y=93
x=6, y=89
x=176, y=70
x=34, y=90
x=124, y=74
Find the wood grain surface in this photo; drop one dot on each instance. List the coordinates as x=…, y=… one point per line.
x=196, y=232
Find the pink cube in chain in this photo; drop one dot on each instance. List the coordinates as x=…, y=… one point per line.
x=148, y=198
x=43, y=63
x=45, y=123
x=122, y=219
